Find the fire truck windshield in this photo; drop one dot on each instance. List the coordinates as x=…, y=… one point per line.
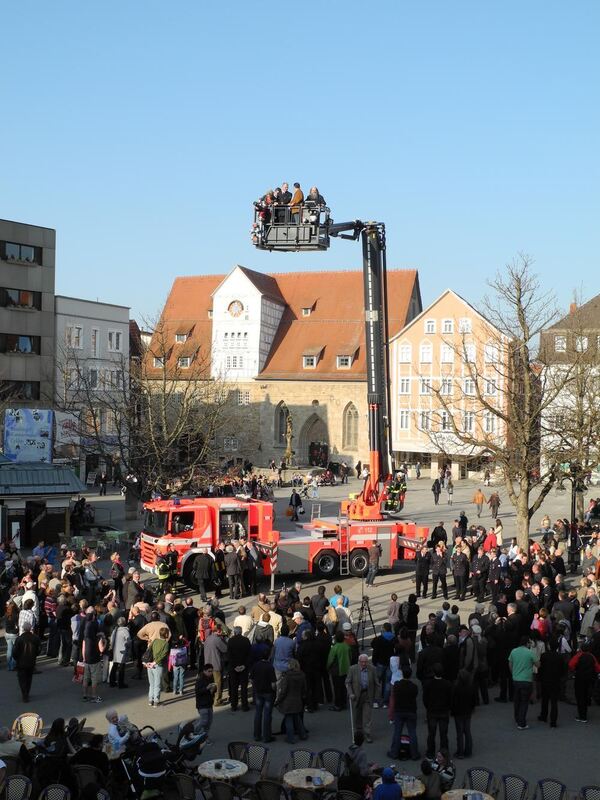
x=155, y=522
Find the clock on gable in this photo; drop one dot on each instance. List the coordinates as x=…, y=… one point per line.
x=235, y=308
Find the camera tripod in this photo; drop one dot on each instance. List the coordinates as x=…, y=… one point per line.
x=364, y=615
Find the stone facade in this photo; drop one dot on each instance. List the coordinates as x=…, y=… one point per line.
x=317, y=410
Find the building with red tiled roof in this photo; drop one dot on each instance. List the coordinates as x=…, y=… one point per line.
x=283, y=344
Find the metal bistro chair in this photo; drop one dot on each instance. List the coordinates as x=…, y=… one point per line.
x=346, y=794
x=186, y=788
x=27, y=724
x=270, y=790
x=17, y=787
x=300, y=759
x=257, y=759
x=85, y=774
x=590, y=793
x=550, y=789
x=332, y=761
x=55, y=791
x=304, y=794
x=102, y=794
x=220, y=790
x=514, y=787
x=13, y=765
x=237, y=750
x=480, y=779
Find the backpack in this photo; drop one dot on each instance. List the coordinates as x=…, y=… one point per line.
x=180, y=657
x=404, y=609
x=261, y=634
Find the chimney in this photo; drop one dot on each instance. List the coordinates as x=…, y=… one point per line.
x=572, y=308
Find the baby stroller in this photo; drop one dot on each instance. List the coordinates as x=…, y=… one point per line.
x=146, y=771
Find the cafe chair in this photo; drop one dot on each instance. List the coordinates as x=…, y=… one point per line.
x=300, y=759
x=332, y=761
x=17, y=787
x=256, y=757
x=270, y=790
x=480, y=779
x=303, y=794
x=237, y=750
x=102, y=794
x=27, y=724
x=221, y=790
x=55, y=791
x=85, y=774
x=186, y=788
x=590, y=793
x=346, y=794
x=550, y=789
x=514, y=787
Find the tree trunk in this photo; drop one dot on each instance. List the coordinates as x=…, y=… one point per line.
x=522, y=509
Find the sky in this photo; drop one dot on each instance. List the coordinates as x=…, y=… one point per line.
x=143, y=130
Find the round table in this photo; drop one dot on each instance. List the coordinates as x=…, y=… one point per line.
x=230, y=768
x=457, y=794
x=411, y=787
x=297, y=778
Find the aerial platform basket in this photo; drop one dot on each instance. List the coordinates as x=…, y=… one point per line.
x=302, y=228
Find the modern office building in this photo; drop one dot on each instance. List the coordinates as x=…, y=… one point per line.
x=27, y=265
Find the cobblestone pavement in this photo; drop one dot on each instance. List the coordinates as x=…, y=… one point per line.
x=568, y=752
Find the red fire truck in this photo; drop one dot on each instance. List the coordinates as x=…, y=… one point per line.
x=324, y=547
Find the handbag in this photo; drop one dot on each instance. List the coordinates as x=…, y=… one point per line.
x=78, y=672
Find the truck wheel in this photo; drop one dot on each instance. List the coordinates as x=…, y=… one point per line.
x=359, y=563
x=326, y=563
x=188, y=574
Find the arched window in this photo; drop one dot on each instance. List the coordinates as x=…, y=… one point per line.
x=350, y=434
x=281, y=416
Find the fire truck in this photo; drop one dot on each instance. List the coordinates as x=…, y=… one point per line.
x=324, y=546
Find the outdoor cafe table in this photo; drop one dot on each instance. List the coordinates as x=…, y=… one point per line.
x=299, y=778
x=458, y=794
x=229, y=768
x=411, y=787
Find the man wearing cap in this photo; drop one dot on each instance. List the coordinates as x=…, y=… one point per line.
x=302, y=625
x=362, y=686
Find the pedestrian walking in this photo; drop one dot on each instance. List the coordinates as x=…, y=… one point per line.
x=295, y=504
x=494, y=504
x=436, y=488
x=25, y=652
x=479, y=500
x=449, y=490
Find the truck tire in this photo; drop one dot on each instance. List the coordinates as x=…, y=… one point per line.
x=359, y=563
x=188, y=574
x=327, y=563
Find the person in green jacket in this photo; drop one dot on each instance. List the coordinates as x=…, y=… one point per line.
x=338, y=664
x=160, y=656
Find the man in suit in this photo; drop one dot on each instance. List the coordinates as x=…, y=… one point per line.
x=362, y=687
x=551, y=673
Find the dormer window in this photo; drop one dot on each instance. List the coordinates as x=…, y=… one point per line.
x=344, y=362
x=159, y=362
x=184, y=362
x=311, y=356
x=307, y=311
x=180, y=338
x=309, y=362
x=210, y=313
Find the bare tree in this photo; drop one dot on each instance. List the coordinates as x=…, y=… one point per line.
x=571, y=424
x=497, y=408
x=157, y=419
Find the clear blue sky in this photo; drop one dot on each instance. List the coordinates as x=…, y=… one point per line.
x=143, y=130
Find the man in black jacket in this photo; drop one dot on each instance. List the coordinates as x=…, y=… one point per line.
x=25, y=652
x=439, y=535
x=460, y=569
x=238, y=654
x=205, y=694
x=263, y=688
x=495, y=575
x=422, y=567
x=233, y=570
x=383, y=649
x=480, y=567
x=203, y=565
x=439, y=568
x=551, y=673
x=405, y=713
x=437, y=695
